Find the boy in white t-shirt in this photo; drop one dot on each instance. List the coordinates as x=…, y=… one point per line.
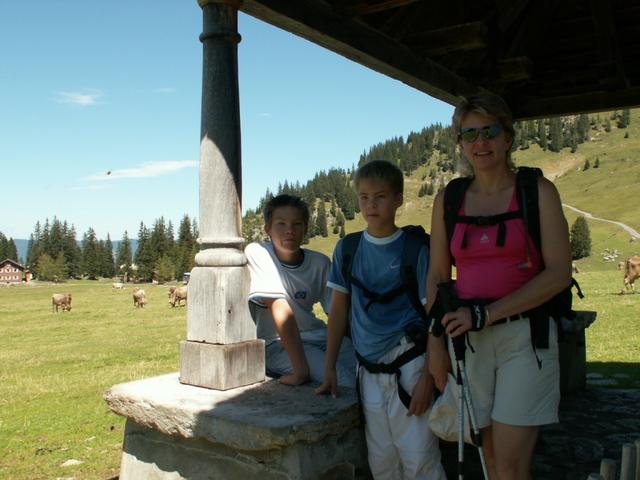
x=286, y=281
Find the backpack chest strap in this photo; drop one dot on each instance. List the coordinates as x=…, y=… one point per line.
x=488, y=221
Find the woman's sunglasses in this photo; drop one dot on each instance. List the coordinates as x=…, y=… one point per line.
x=488, y=132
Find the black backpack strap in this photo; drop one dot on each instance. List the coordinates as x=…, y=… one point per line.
x=527, y=192
x=415, y=239
x=453, y=198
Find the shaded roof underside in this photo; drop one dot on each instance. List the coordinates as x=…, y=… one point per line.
x=545, y=57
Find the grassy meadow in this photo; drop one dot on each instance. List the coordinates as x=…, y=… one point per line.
x=54, y=368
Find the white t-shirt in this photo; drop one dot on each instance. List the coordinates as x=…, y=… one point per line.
x=302, y=286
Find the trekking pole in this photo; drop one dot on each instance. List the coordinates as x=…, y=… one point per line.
x=466, y=400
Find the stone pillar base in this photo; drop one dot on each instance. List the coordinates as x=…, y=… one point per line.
x=264, y=431
x=222, y=367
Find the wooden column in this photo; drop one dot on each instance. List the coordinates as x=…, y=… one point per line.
x=221, y=350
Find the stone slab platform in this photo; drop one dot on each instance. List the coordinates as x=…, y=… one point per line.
x=258, y=431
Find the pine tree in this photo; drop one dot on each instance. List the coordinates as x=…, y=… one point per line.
x=586, y=165
x=555, y=134
x=123, y=256
x=49, y=269
x=144, y=256
x=321, y=220
x=91, y=264
x=164, y=269
x=12, y=250
x=108, y=265
x=580, y=239
x=596, y=164
x=186, y=247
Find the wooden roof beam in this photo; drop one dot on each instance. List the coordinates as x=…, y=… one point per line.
x=360, y=8
x=609, y=51
x=467, y=36
x=574, y=104
x=316, y=21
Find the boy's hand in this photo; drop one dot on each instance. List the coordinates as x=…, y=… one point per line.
x=329, y=384
x=297, y=377
x=422, y=395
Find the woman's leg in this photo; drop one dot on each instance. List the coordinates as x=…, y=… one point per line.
x=513, y=450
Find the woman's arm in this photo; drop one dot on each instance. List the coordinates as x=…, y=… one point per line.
x=438, y=362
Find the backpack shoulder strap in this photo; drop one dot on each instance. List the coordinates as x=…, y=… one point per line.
x=453, y=197
x=350, y=245
x=415, y=239
x=527, y=193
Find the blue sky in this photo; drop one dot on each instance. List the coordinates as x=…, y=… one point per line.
x=90, y=87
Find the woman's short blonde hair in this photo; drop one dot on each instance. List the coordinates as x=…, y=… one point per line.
x=488, y=104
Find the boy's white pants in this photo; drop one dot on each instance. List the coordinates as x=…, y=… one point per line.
x=400, y=447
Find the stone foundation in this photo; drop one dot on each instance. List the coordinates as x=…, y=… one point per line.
x=263, y=431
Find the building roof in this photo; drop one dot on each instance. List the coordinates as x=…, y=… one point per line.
x=545, y=57
x=15, y=264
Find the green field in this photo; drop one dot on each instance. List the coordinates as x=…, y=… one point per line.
x=54, y=368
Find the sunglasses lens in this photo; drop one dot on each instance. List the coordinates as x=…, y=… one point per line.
x=492, y=131
x=470, y=135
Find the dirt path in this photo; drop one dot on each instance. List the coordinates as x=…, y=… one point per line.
x=627, y=228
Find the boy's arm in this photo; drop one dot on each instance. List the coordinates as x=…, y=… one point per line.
x=285, y=322
x=336, y=327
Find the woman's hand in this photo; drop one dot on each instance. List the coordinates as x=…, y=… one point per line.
x=458, y=322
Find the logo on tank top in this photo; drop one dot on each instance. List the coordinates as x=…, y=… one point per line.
x=300, y=294
x=484, y=238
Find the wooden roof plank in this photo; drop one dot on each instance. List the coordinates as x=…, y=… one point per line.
x=574, y=104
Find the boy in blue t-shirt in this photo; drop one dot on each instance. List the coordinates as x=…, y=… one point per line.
x=399, y=441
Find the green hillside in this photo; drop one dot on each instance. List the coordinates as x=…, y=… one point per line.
x=605, y=191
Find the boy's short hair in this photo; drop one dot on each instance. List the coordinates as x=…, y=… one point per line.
x=380, y=170
x=285, y=200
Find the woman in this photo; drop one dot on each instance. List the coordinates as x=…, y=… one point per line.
x=514, y=386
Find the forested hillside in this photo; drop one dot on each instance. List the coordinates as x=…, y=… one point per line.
x=429, y=159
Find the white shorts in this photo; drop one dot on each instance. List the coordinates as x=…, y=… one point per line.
x=314, y=343
x=399, y=447
x=505, y=381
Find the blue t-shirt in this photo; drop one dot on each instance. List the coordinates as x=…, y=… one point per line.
x=377, y=265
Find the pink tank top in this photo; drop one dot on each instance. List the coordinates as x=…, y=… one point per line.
x=487, y=271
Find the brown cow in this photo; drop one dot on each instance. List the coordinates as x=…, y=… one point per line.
x=177, y=295
x=139, y=298
x=61, y=300
x=631, y=272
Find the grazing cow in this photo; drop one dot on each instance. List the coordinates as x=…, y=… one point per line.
x=631, y=273
x=139, y=298
x=171, y=290
x=177, y=295
x=117, y=286
x=61, y=300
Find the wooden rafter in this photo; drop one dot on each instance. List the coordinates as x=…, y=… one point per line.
x=469, y=36
x=360, y=8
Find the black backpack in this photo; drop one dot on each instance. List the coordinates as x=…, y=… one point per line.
x=527, y=194
x=415, y=239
